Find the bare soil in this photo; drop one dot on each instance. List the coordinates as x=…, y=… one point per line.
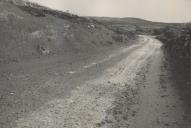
x=127, y=87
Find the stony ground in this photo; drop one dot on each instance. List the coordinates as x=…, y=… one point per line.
x=129, y=87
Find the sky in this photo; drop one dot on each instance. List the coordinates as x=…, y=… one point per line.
x=154, y=10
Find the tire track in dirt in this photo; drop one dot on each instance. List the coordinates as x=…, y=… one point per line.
x=87, y=105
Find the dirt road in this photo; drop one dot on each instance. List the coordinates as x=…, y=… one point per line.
x=128, y=88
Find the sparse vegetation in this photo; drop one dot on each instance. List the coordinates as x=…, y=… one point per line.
x=30, y=31
x=177, y=39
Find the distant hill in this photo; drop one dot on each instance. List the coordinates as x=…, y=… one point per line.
x=131, y=20
x=125, y=20
x=132, y=24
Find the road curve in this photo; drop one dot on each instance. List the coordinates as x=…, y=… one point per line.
x=123, y=90
x=87, y=105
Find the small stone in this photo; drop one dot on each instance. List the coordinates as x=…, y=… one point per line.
x=12, y=93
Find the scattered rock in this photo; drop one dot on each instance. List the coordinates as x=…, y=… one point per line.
x=100, y=124
x=9, y=76
x=11, y=93
x=91, y=26
x=167, y=124
x=67, y=27
x=163, y=96
x=109, y=82
x=44, y=50
x=16, y=60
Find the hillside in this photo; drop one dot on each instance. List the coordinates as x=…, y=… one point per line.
x=60, y=70
x=133, y=24
x=177, y=40
x=31, y=31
